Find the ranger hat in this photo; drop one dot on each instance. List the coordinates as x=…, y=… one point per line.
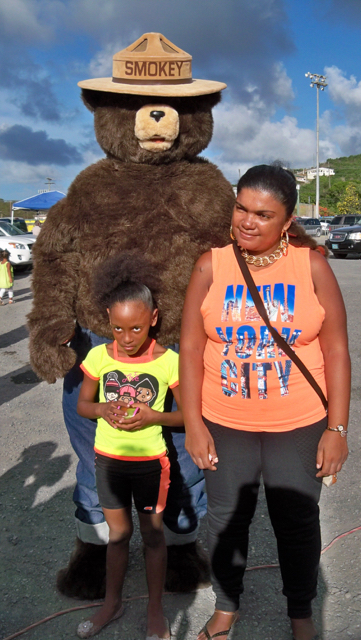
x=153, y=66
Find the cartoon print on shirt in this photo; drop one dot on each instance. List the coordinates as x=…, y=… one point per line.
x=145, y=392
x=111, y=387
x=127, y=394
x=137, y=387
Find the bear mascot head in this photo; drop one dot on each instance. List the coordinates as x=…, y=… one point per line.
x=152, y=195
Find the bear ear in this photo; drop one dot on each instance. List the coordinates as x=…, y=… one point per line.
x=92, y=99
x=211, y=99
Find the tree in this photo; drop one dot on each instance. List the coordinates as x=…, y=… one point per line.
x=350, y=203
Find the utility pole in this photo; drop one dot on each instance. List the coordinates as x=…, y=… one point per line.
x=320, y=83
x=49, y=182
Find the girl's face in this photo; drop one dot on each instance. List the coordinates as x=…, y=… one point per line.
x=130, y=322
x=258, y=221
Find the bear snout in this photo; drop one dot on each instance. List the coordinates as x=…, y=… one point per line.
x=156, y=127
x=157, y=115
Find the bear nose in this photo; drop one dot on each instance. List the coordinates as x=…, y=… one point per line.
x=157, y=115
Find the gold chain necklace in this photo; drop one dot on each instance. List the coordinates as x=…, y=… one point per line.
x=263, y=261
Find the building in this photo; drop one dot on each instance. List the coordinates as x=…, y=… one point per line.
x=323, y=171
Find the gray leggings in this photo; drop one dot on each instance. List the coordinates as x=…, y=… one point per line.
x=287, y=462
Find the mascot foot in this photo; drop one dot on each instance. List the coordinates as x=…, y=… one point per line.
x=84, y=577
x=187, y=568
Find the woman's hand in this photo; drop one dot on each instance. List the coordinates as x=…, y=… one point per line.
x=332, y=452
x=200, y=446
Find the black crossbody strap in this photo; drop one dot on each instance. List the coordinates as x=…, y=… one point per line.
x=276, y=336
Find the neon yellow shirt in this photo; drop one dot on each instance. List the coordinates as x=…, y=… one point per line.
x=5, y=282
x=142, y=379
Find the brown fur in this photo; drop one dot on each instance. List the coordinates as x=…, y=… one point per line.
x=187, y=568
x=84, y=577
x=170, y=206
x=299, y=237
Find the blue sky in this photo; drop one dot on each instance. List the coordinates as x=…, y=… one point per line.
x=260, y=48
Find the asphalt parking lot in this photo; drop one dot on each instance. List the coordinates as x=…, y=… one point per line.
x=37, y=468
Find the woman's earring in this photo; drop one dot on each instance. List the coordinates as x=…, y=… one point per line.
x=284, y=242
x=285, y=237
x=231, y=233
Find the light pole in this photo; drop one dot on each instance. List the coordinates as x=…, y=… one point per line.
x=298, y=200
x=320, y=83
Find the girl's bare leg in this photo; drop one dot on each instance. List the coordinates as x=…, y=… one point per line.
x=120, y=532
x=151, y=527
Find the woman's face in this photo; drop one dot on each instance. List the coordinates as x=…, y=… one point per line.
x=258, y=221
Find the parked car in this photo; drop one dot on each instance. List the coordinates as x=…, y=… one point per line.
x=19, y=223
x=344, y=240
x=17, y=243
x=312, y=226
x=345, y=221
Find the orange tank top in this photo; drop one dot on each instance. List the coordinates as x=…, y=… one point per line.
x=249, y=383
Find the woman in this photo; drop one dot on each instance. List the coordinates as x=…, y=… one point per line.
x=248, y=410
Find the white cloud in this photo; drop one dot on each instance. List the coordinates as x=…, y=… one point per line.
x=21, y=172
x=101, y=65
x=282, y=84
x=246, y=135
x=343, y=90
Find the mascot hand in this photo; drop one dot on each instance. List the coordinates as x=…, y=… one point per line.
x=50, y=358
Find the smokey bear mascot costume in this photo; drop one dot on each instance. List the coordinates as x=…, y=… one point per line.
x=153, y=195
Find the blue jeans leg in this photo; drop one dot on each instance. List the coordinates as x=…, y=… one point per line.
x=90, y=523
x=187, y=498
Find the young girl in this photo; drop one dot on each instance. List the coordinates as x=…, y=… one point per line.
x=6, y=276
x=132, y=376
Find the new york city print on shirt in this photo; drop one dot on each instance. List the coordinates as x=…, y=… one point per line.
x=245, y=338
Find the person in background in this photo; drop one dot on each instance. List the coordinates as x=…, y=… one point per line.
x=248, y=410
x=6, y=276
x=36, y=228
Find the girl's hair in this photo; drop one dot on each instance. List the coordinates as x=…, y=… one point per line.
x=125, y=278
x=281, y=184
x=4, y=254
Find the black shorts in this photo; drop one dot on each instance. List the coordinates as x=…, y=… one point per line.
x=146, y=480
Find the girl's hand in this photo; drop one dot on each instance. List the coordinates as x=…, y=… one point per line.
x=200, y=446
x=332, y=452
x=112, y=412
x=144, y=417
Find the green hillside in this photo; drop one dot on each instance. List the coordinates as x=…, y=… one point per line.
x=332, y=188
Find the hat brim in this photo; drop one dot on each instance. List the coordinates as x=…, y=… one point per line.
x=193, y=88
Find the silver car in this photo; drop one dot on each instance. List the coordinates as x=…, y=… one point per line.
x=312, y=226
x=19, y=245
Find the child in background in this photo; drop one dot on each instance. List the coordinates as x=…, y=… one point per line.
x=131, y=457
x=6, y=276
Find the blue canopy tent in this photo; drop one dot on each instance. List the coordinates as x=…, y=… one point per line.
x=40, y=202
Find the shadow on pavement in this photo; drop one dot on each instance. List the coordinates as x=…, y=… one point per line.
x=17, y=382
x=13, y=336
x=22, y=292
x=32, y=535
